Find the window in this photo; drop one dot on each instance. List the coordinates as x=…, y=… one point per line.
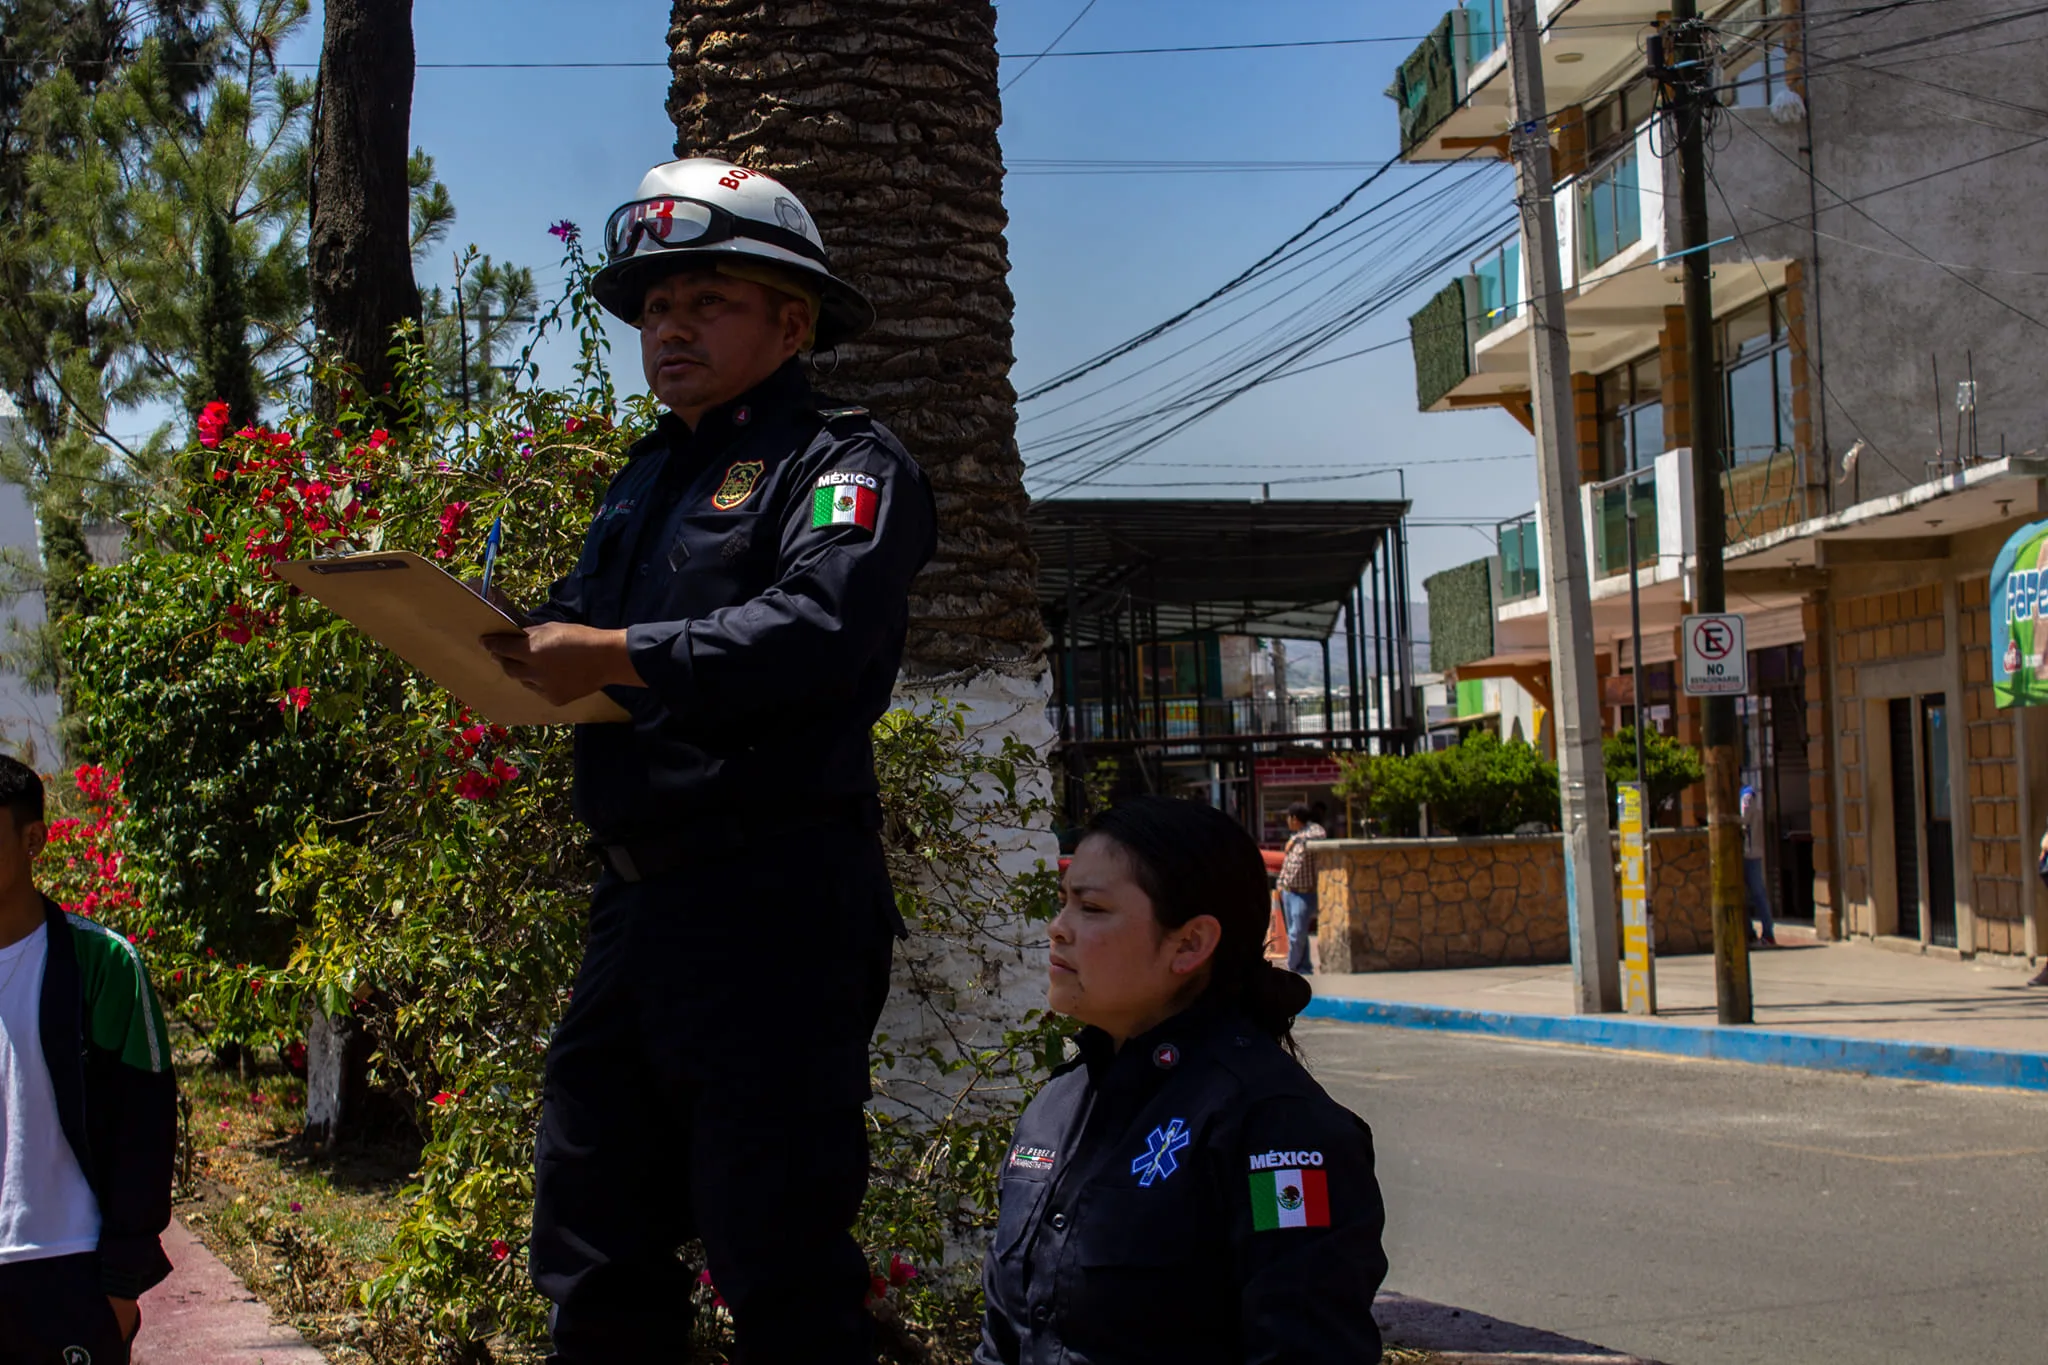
x=1631, y=417
x=1610, y=210
x=1174, y=667
x=1755, y=62
x=1756, y=367
x=1499, y=274
x=1486, y=28
x=1611, y=124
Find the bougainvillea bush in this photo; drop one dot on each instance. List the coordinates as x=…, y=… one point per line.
x=288, y=818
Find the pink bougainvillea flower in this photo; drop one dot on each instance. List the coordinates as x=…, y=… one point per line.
x=500, y=1248
x=901, y=1272
x=295, y=699
x=567, y=231
x=224, y=1125
x=212, y=423
x=296, y=1207
x=444, y=1098
x=704, y=1278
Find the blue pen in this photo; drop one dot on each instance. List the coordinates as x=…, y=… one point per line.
x=490, y=556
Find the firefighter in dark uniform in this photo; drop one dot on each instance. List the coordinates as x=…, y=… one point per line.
x=1183, y=1190
x=743, y=594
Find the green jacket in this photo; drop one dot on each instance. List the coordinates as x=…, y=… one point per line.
x=117, y=1100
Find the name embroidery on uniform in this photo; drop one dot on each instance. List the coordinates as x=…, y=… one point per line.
x=1292, y=1198
x=1161, y=1149
x=846, y=498
x=1032, y=1158
x=616, y=509
x=738, y=486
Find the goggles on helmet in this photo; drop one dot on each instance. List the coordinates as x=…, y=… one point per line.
x=674, y=223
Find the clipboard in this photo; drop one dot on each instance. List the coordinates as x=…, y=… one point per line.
x=430, y=619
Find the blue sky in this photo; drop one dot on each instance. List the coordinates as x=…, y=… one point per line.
x=1095, y=257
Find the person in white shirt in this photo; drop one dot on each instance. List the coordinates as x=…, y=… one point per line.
x=88, y=1116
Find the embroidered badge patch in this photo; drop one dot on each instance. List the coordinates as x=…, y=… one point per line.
x=1161, y=1150
x=738, y=486
x=1031, y=1158
x=846, y=498
x=1290, y=1199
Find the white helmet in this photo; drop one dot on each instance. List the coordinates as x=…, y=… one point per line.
x=689, y=214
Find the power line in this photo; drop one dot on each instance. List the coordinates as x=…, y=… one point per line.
x=1028, y=66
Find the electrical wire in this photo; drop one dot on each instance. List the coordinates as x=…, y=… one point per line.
x=1033, y=63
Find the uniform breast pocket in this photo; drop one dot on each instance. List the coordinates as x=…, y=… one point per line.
x=1020, y=1199
x=600, y=544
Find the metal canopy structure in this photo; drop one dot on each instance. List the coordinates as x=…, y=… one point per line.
x=1281, y=569
x=1139, y=595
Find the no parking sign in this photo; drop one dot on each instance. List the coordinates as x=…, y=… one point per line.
x=1716, y=662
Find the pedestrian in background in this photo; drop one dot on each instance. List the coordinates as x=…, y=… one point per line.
x=1753, y=864
x=2040, y=978
x=1298, y=886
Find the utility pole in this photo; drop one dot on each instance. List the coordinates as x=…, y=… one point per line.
x=1588, y=855
x=1690, y=77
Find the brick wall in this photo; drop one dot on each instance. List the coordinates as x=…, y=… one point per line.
x=1890, y=625
x=1410, y=904
x=1998, y=855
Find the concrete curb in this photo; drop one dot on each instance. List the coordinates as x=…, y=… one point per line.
x=1456, y=1336
x=1931, y=1062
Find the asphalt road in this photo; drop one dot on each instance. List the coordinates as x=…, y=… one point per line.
x=1703, y=1213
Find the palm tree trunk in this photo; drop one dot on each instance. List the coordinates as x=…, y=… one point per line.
x=882, y=116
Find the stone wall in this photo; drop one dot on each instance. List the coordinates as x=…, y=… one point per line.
x=1409, y=904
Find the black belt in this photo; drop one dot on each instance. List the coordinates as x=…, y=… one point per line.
x=646, y=860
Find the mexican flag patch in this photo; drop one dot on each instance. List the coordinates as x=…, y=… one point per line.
x=846, y=499
x=1290, y=1199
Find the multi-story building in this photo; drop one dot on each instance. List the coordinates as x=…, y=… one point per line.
x=1881, y=323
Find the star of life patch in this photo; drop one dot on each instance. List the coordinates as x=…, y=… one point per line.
x=1031, y=1158
x=846, y=498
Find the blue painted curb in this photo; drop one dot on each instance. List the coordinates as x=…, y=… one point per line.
x=1871, y=1056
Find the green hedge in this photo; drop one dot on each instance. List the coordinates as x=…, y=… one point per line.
x=1426, y=88
x=1460, y=615
x=1438, y=335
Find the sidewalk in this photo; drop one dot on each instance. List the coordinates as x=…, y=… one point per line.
x=1863, y=1007
x=203, y=1315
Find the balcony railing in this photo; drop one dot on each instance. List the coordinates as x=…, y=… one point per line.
x=1498, y=276
x=1610, y=210
x=1486, y=29
x=1521, y=575
x=1187, y=718
x=1610, y=522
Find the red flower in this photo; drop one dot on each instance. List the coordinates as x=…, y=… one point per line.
x=500, y=1248
x=295, y=699
x=444, y=1098
x=451, y=520
x=704, y=1278
x=213, y=423
x=901, y=1272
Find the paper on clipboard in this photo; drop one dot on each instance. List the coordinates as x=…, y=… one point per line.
x=414, y=608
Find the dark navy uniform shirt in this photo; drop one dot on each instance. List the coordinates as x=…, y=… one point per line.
x=1192, y=1197
x=761, y=568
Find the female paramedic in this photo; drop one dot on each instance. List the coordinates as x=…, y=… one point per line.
x=1182, y=1190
